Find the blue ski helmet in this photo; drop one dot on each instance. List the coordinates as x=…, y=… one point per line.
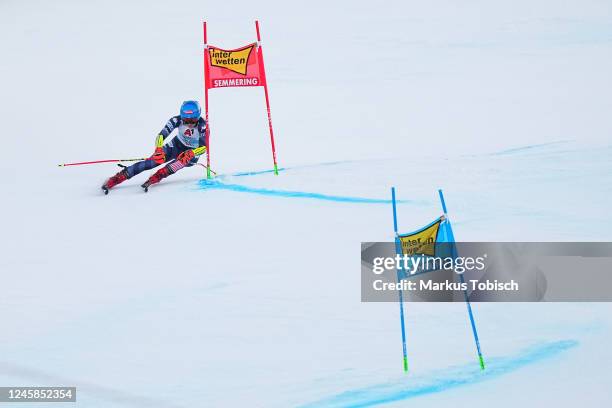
x=190, y=109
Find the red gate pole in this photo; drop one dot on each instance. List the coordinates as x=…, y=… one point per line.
x=206, y=76
x=265, y=85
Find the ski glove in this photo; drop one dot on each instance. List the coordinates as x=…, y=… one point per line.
x=159, y=156
x=185, y=157
x=188, y=155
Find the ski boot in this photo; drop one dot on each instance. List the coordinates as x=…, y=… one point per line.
x=155, y=178
x=116, y=179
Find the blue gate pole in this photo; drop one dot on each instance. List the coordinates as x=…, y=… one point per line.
x=398, y=250
x=462, y=279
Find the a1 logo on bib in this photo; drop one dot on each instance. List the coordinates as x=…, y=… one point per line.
x=234, y=60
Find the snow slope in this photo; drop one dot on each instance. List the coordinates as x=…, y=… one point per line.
x=244, y=290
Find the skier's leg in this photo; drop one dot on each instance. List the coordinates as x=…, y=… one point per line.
x=167, y=170
x=186, y=158
x=141, y=166
x=162, y=173
x=129, y=172
x=170, y=152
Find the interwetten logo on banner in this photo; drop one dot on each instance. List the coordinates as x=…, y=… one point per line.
x=239, y=67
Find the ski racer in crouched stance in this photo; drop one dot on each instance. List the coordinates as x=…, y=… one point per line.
x=182, y=151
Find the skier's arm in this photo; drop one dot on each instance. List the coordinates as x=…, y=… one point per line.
x=159, y=156
x=172, y=123
x=202, y=129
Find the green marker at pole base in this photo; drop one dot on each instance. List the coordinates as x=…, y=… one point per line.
x=405, y=364
x=482, y=366
x=275, y=169
x=208, y=172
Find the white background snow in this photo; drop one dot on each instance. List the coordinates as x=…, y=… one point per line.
x=191, y=297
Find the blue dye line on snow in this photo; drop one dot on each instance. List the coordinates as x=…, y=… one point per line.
x=414, y=386
x=281, y=169
x=217, y=185
x=256, y=173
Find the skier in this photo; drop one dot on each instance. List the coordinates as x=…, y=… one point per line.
x=182, y=151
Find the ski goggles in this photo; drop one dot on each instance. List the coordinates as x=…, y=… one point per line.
x=190, y=121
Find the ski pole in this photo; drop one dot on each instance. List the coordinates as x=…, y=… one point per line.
x=206, y=167
x=100, y=161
